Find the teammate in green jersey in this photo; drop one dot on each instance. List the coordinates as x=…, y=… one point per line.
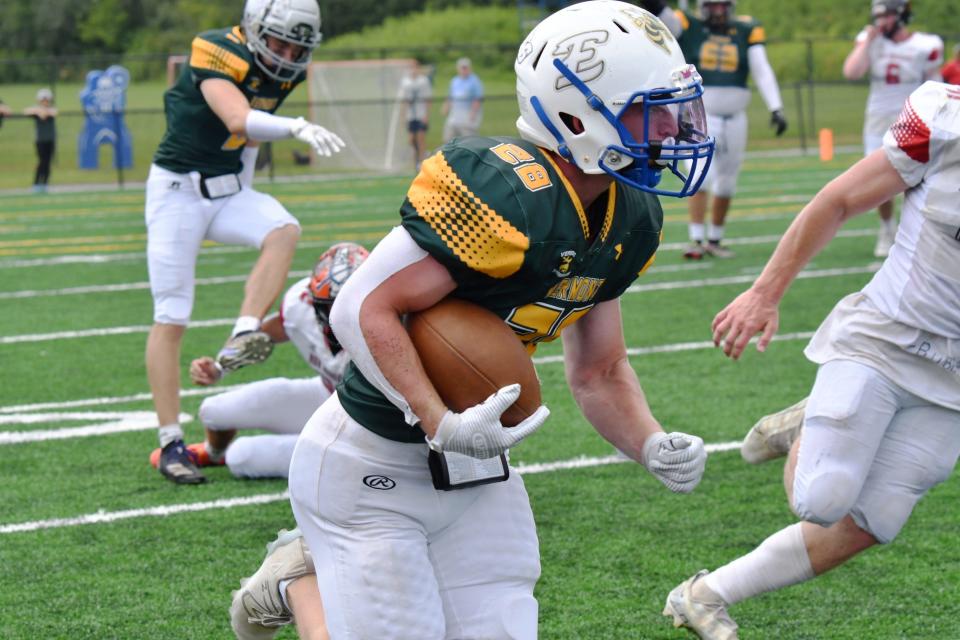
x=547, y=231
x=200, y=187
x=725, y=48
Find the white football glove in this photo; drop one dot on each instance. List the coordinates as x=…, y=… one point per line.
x=478, y=432
x=324, y=142
x=675, y=459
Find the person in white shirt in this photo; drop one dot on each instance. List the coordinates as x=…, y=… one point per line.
x=279, y=405
x=881, y=424
x=415, y=95
x=898, y=61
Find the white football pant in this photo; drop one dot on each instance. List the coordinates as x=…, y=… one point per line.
x=179, y=219
x=871, y=449
x=397, y=559
x=280, y=405
x=730, y=133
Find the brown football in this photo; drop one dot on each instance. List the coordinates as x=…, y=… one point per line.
x=468, y=353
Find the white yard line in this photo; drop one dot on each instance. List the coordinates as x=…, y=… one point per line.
x=102, y=516
x=656, y=286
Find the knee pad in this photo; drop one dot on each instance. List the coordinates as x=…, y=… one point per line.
x=209, y=414
x=826, y=498
x=517, y=617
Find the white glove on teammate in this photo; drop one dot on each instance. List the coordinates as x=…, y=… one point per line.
x=675, y=459
x=478, y=432
x=323, y=141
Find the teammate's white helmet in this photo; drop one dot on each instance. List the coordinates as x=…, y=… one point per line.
x=294, y=21
x=582, y=68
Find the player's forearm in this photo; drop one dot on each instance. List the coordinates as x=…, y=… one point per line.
x=764, y=77
x=868, y=183
x=857, y=63
x=613, y=401
x=273, y=327
x=397, y=361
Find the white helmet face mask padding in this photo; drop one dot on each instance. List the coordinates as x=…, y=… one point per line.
x=586, y=75
x=293, y=21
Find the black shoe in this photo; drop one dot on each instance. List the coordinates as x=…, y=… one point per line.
x=178, y=464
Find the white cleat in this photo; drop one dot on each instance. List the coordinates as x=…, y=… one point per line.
x=251, y=347
x=704, y=613
x=884, y=243
x=773, y=435
x=258, y=611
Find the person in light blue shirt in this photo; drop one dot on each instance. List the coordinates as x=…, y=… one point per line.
x=464, y=104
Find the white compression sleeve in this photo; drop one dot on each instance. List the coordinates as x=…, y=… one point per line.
x=394, y=253
x=264, y=126
x=764, y=77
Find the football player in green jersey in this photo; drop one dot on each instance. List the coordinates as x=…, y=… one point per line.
x=547, y=231
x=200, y=187
x=725, y=48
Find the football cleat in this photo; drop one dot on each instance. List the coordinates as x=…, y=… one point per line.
x=884, y=242
x=249, y=347
x=717, y=250
x=704, y=613
x=694, y=251
x=773, y=435
x=178, y=464
x=197, y=451
x=258, y=611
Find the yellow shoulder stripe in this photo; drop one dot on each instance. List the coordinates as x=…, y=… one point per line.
x=684, y=22
x=236, y=34
x=207, y=55
x=757, y=36
x=480, y=237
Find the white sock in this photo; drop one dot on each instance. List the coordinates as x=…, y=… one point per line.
x=216, y=455
x=715, y=232
x=282, y=588
x=168, y=433
x=780, y=561
x=245, y=323
x=889, y=225
x=696, y=231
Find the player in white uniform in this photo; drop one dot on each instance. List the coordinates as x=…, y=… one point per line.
x=279, y=405
x=881, y=424
x=898, y=61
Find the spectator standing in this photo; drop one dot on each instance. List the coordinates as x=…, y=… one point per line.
x=464, y=105
x=44, y=115
x=415, y=95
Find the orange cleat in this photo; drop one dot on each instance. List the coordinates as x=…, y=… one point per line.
x=197, y=452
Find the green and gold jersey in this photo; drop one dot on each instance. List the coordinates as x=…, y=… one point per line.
x=196, y=139
x=720, y=57
x=504, y=221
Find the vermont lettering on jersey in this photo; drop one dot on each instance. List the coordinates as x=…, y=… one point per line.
x=576, y=289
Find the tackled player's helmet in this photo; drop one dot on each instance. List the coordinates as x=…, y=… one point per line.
x=880, y=8
x=333, y=268
x=714, y=19
x=293, y=21
x=582, y=68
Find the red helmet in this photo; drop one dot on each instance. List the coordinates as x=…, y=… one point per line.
x=333, y=267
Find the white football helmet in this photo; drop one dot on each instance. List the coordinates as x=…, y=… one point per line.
x=294, y=21
x=333, y=268
x=582, y=68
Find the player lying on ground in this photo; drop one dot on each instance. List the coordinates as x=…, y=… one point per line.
x=881, y=423
x=279, y=405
